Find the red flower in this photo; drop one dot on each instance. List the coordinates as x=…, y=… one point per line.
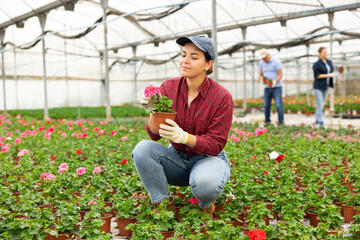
x=266, y=172
x=280, y=158
x=124, y=161
x=255, y=157
x=53, y=157
x=257, y=234
x=193, y=201
x=78, y=152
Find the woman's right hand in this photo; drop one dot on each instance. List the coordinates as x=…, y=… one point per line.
x=147, y=102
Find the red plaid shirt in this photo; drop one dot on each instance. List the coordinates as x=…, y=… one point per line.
x=209, y=116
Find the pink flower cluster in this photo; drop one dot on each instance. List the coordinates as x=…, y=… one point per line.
x=193, y=201
x=97, y=170
x=47, y=176
x=23, y=152
x=151, y=90
x=91, y=202
x=63, y=167
x=245, y=136
x=80, y=171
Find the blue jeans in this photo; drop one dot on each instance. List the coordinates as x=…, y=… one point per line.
x=159, y=166
x=275, y=93
x=320, y=97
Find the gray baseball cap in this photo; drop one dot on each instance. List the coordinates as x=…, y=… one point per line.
x=204, y=43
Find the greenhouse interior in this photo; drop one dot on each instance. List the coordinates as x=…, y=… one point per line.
x=180, y=119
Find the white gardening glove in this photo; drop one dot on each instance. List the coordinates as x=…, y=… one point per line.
x=173, y=132
x=333, y=74
x=148, y=102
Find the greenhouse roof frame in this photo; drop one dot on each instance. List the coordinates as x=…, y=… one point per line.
x=281, y=19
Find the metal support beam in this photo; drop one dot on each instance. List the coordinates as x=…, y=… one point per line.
x=135, y=75
x=67, y=101
x=298, y=77
x=102, y=80
x=308, y=76
x=243, y=30
x=16, y=80
x=235, y=25
x=331, y=24
x=42, y=20
x=2, y=36
x=104, y=5
x=214, y=38
x=253, y=76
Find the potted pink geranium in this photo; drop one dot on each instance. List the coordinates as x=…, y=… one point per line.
x=161, y=109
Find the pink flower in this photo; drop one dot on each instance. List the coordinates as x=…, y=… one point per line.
x=258, y=132
x=266, y=172
x=52, y=162
x=101, y=132
x=255, y=157
x=25, y=151
x=2, y=138
x=96, y=129
x=124, y=139
x=9, y=134
x=63, y=167
x=23, y=135
x=78, y=152
x=63, y=135
x=245, y=139
x=48, y=136
x=44, y=175
x=97, y=170
x=5, y=149
x=113, y=133
x=73, y=134
x=193, y=201
x=85, y=135
x=257, y=234
x=17, y=141
x=2, y=144
x=91, y=202
x=80, y=135
x=50, y=177
x=131, y=130
x=20, y=154
x=151, y=90
x=80, y=171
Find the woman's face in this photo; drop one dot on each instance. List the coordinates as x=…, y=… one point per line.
x=192, y=61
x=323, y=53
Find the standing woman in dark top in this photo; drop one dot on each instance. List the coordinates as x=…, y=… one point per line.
x=323, y=79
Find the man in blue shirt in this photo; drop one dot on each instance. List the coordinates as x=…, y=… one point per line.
x=271, y=76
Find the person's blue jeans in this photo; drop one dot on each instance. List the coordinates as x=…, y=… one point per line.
x=320, y=98
x=269, y=94
x=159, y=166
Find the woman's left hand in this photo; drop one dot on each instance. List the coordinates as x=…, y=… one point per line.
x=173, y=132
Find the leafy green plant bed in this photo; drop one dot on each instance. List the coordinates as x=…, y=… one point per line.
x=85, y=112
x=64, y=175
x=291, y=104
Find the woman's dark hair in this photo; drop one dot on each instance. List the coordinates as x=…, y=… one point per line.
x=207, y=59
x=320, y=49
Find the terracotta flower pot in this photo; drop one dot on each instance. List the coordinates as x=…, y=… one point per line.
x=349, y=212
x=168, y=234
x=177, y=212
x=62, y=236
x=218, y=208
x=122, y=224
x=107, y=223
x=82, y=214
x=159, y=118
x=339, y=204
x=241, y=220
x=314, y=219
